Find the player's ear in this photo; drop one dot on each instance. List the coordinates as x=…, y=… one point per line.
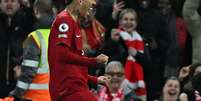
x=79, y=1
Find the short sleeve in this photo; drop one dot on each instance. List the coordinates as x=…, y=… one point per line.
x=63, y=30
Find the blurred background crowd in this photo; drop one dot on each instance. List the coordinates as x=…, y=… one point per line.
x=168, y=61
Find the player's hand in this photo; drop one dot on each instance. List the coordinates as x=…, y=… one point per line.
x=104, y=80
x=102, y=59
x=94, y=92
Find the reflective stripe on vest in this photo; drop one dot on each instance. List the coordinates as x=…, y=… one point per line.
x=22, y=85
x=32, y=86
x=44, y=66
x=30, y=63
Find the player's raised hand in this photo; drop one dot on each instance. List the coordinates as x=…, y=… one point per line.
x=102, y=58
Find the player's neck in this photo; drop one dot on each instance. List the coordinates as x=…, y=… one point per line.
x=72, y=11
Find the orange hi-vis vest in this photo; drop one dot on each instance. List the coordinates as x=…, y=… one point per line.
x=38, y=90
x=7, y=99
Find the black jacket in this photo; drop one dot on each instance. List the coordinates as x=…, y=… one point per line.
x=11, y=39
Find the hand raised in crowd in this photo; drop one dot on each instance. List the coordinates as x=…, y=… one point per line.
x=184, y=72
x=153, y=44
x=25, y=3
x=115, y=34
x=94, y=92
x=117, y=7
x=102, y=58
x=104, y=80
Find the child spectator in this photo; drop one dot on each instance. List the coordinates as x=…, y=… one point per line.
x=135, y=46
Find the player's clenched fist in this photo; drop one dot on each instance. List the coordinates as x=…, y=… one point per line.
x=102, y=58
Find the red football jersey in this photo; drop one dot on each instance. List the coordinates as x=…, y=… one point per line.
x=68, y=65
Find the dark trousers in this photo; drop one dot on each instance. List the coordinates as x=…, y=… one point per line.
x=6, y=88
x=153, y=74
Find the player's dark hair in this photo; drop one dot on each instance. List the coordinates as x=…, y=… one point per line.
x=68, y=2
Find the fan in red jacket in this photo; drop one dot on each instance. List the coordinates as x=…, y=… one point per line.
x=68, y=65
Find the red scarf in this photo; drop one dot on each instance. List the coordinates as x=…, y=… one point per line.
x=197, y=96
x=106, y=95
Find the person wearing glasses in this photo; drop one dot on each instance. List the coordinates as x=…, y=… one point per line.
x=117, y=87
